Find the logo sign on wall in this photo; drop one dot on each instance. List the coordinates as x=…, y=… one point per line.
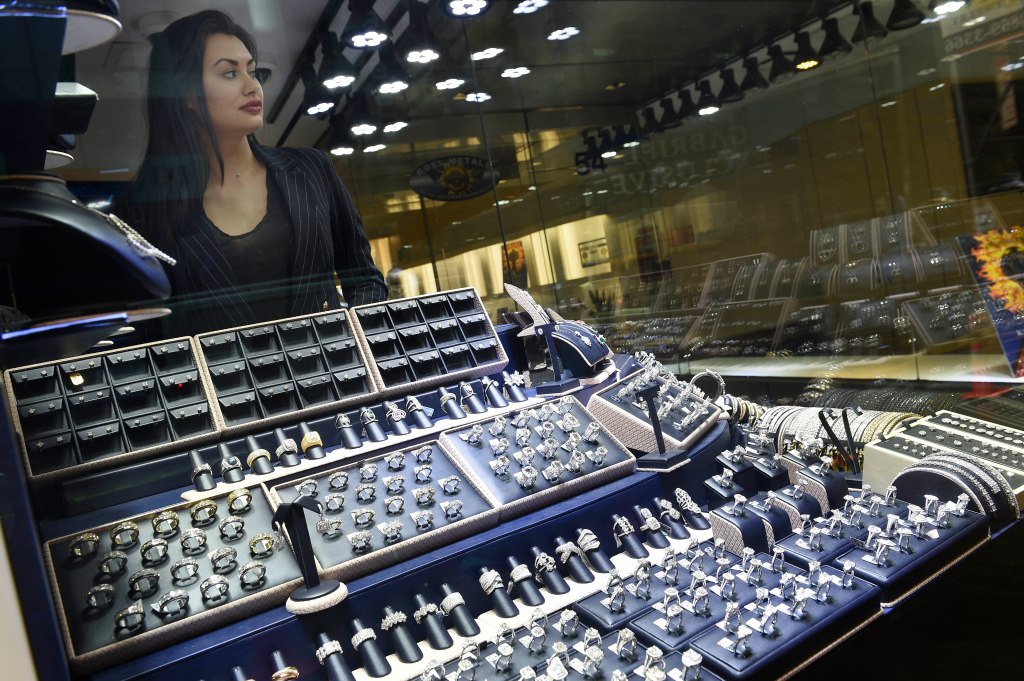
x=454, y=178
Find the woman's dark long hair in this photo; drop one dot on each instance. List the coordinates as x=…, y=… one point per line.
x=168, y=191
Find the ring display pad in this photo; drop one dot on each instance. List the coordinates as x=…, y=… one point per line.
x=417, y=343
x=90, y=636
x=279, y=371
x=103, y=410
x=762, y=648
x=627, y=419
x=375, y=506
x=517, y=480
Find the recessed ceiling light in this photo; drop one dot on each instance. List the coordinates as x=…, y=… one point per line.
x=529, y=6
x=477, y=96
x=374, y=147
x=466, y=8
x=489, y=53
x=422, y=56
x=339, y=81
x=392, y=87
x=564, y=33
x=449, y=84
x=364, y=129
x=342, y=151
x=396, y=126
x=614, y=86
x=515, y=72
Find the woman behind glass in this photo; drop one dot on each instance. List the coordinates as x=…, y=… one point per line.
x=257, y=231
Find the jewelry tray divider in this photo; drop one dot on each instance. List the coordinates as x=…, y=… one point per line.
x=336, y=557
x=136, y=402
x=273, y=372
x=632, y=426
x=416, y=343
x=506, y=494
x=93, y=645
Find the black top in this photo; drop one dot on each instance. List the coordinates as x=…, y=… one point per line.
x=260, y=258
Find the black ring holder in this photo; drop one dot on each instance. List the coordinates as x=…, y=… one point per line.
x=396, y=426
x=460, y=615
x=502, y=602
x=774, y=518
x=553, y=580
x=437, y=634
x=375, y=664
x=492, y=391
x=599, y=561
x=676, y=528
x=663, y=458
x=630, y=543
x=653, y=537
x=348, y=435
x=315, y=594
x=578, y=570
x=231, y=474
x=770, y=476
x=261, y=465
x=420, y=418
x=238, y=674
x=469, y=400
x=404, y=643
x=278, y=661
x=334, y=663
x=450, y=405
x=739, y=527
x=286, y=457
x=374, y=431
x=527, y=588
x=513, y=391
x=203, y=481
x=316, y=451
x=796, y=507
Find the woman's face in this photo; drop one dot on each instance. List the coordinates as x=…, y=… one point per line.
x=234, y=98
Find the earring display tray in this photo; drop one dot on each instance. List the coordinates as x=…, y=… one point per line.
x=99, y=411
x=627, y=417
x=154, y=554
x=274, y=372
x=533, y=457
x=793, y=625
x=388, y=508
x=417, y=343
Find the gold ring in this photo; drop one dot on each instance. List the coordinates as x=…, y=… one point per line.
x=286, y=674
x=165, y=522
x=84, y=544
x=203, y=512
x=257, y=454
x=119, y=532
x=311, y=439
x=262, y=545
x=240, y=500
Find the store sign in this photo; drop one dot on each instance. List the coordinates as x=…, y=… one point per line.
x=454, y=178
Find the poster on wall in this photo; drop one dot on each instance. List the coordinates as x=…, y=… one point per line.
x=593, y=252
x=454, y=178
x=513, y=263
x=996, y=259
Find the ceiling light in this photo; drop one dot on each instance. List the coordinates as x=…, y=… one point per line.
x=317, y=99
x=374, y=147
x=624, y=140
x=335, y=70
x=607, y=149
x=392, y=87
x=466, y=8
x=477, y=96
x=806, y=58
x=869, y=29
x=341, y=142
x=364, y=30
x=687, y=109
x=834, y=45
x=420, y=45
x=707, y=103
x=670, y=118
x=782, y=68
x=515, y=72
x=529, y=6
x=360, y=120
x=752, y=79
x=591, y=143
x=489, y=53
x=651, y=124
x=449, y=84
x=564, y=33
x=395, y=126
x=905, y=14
x=391, y=75
x=730, y=91
x=946, y=6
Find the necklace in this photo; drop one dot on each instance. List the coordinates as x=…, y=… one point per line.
x=135, y=240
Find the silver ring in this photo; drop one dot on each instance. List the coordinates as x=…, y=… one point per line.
x=154, y=551
x=394, y=484
x=84, y=545
x=423, y=473
x=395, y=461
x=143, y=581
x=452, y=509
x=366, y=492
x=172, y=602
x=100, y=596
x=334, y=502
x=394, y=505
x=332, y=647
x=232, y=527
x=308, y=488
x=193, y=540
x=184, y=569
x=424, y=519
x=338, y=480
x=165, y=522
x=424, y=495
x=214, y=587
x=124, y=535
x=362, y=636
x=131, y=617
x=329, y=528
x=368, y=472
x=223, y=559
x=363, y=516
x=112, y=563
x=450, y=484
x=252, y=574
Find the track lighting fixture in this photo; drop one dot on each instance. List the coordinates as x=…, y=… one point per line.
x=335, y=70
x=942, y=7
x=730, y=91
x=365, y=29
x=466, y=8
x=420, y=46
x=806, y=57
x=905, y=14
x=317, y=99
x=752, y=79
x=834, y=45
x=782, y=68
x=707, y=103
x=869, y=29
x=340, y=142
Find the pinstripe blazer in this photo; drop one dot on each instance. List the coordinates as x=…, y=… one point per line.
x=328, y=237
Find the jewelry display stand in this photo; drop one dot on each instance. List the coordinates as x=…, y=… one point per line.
x=315, y=594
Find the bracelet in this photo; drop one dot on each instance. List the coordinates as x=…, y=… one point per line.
x=489, y=581
x=326, y=650
x=420, y=613
x=451, y=601
x=362, y=636
x=392, y=620
x=311, y=439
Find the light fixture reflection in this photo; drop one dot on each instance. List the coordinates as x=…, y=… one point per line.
x=489, y=53
x=341, y=142
x=834, y=44
x=317, y=99
x=449, y=84
x=564, y=33
x=365, y=29
x=395, y=126
x=529, y=6
x=374, y=147
x=707, y=103
x=477, y=97
x=869, y=29
x=782, y=68
x=905, y=14
x=466, y=8
x=753, y=79
x=806, y=57
x=730, y=91
x=335, y=70
x=942, y=7
x=515, y=72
